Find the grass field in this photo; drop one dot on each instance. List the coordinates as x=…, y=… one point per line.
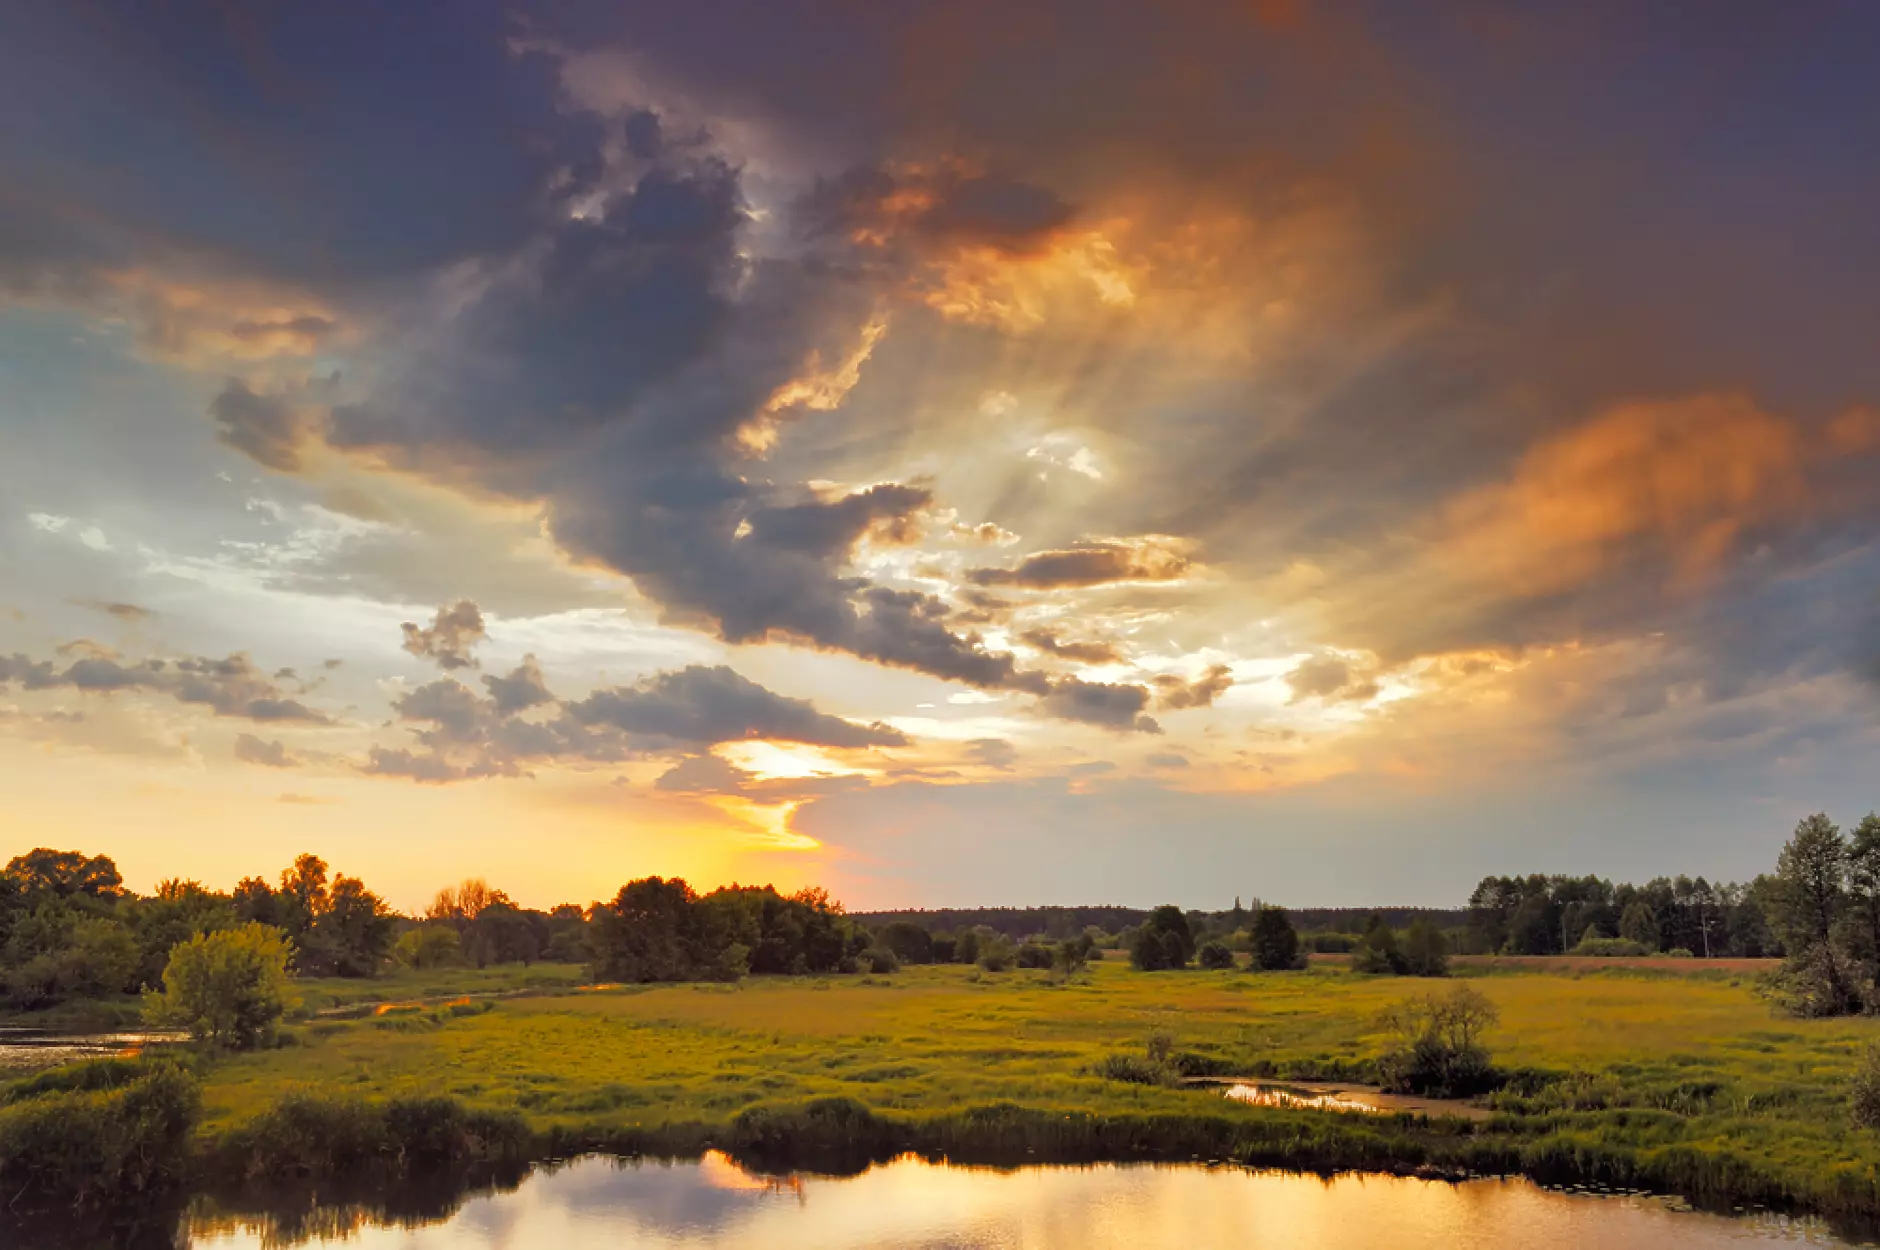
x=1685, y=1082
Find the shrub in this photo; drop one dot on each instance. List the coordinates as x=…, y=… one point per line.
x=996, y=952
x=229, y=989
x=1215, y=956
x=1609, y=948
x=1436, y=1047
x=1132, y=1070
x=910, y=943
x=99, y=1146
x=1073, y=955
x=1864, y=1091
x=880, y=959
x=1034, y=955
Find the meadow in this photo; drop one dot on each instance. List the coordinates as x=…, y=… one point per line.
x=1623, y=1076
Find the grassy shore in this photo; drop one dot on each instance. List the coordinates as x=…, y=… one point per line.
x=1685, y=1084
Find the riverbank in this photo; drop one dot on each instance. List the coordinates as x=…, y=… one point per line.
x=1684, y=1086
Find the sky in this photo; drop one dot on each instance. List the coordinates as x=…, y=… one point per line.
x=954, y=453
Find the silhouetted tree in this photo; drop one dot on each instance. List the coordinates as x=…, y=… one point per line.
x=1275, y=943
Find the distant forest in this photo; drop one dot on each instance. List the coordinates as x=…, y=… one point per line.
x=70, y=930
x=1057, y=923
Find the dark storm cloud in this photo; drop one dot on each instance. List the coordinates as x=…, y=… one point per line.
x=228, y=687
x=701, y=705
x=1088, y=564
x=450, y=637
x=943, y=207
x=327, y=145
x=1111, y=705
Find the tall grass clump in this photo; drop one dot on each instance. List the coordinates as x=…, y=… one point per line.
x=1864, y=1090
x=111, y=1138
x=314, y=1136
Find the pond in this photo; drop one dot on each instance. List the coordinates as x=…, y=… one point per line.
x=914, y=1205
x=26, y=1050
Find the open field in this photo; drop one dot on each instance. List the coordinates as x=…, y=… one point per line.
x=1686, y=1083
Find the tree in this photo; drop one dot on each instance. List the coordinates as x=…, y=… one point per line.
x=1807, y=903
x=463, y=906
x=1425, y=950
x=1072, y=955
x=65, y=873
x=229, y=988
x=1275, y=943
x=1148, y=952
x=355, y=929
x=431, y=945
x=1637, y=924
x=1215, y=955
x=1168, y=927
x=1376, y=951
x=648, y=933
x=910, y=943
x=1863, y=880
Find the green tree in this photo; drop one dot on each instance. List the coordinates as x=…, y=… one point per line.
x=102, y=959
x=355, y=930
x=1167, y=928
x=1425, y=949
x=1863, y=882
x=429, y=945
x=228, y=988
x=1807, y=905
x=65, y=873
x=1638, y=924
x=1376, y=951
x=910, y=943
x=1275, y=943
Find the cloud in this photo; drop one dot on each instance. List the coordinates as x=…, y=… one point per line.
x=1678, y=483
x=1083, y=652
x=1332, y=679
x=522, y=689
x=877, y=207
x=701, y=706
x=1091, y=564
x=128, y=612
x=1113, y=706
x=1177, y=694
x=269, y=754
x=1167, y=759
x=228, y=687
x=450, y=637
x=992, y=753
x=269, y=429
x=710, y=775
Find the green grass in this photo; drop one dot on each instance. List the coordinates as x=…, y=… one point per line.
x=1685, y=1080
x=1686, y=1084
x=325, y=994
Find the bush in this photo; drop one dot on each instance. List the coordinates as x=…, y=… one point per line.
x=1215, y=956
x=1864, y=1091
x=996, y=952
x=1133, y=1070
x=1034, y=955
x=99, y=1146
x=910, y=943
x=229, y=989
x=880, y=959
x=1609, y=948
x=1436, y=1048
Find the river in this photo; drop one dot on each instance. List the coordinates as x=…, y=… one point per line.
x=913, y=1205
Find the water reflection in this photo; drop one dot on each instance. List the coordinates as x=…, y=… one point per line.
x=26, y=1049
x=919, y=1206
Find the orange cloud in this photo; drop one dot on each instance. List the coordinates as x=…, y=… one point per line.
x=1679, y=480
